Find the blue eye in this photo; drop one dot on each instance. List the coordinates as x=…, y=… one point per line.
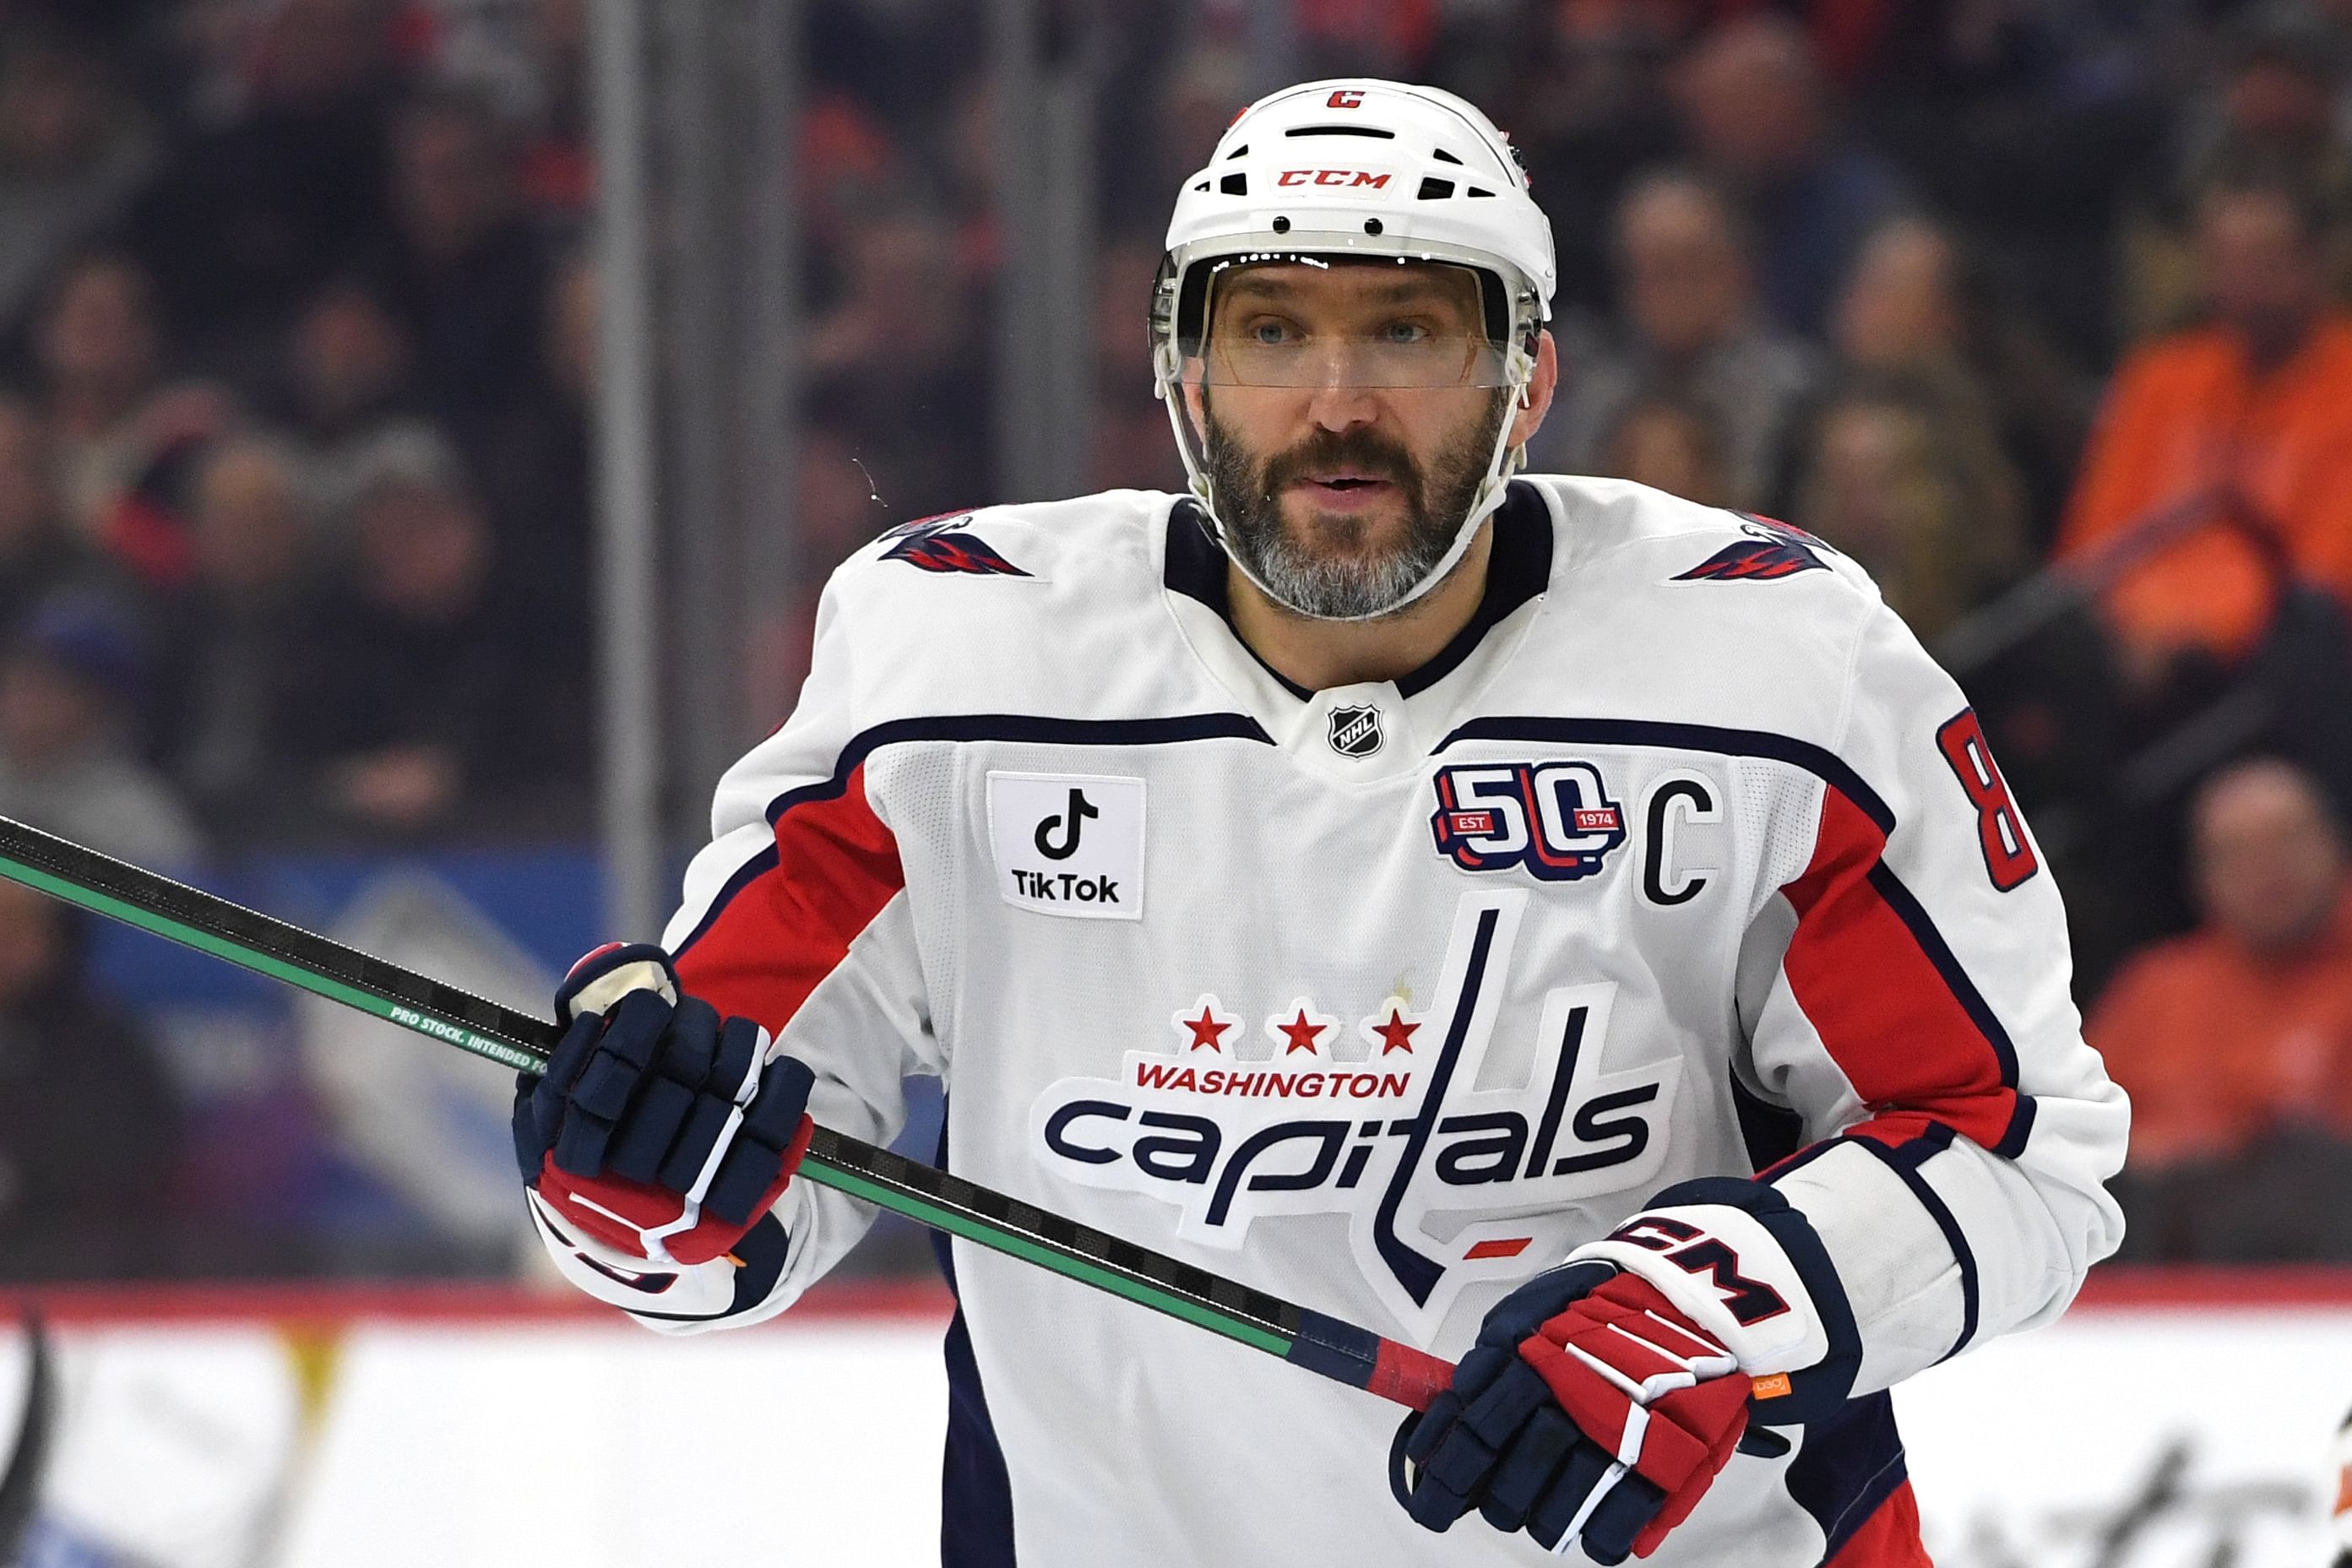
x=1404, y=332
x=1269, y=333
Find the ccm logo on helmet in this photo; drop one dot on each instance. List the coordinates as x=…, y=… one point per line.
x=1349, y=179
x=1345, y=98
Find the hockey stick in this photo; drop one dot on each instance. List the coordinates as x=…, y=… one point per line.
x=1323, y=1344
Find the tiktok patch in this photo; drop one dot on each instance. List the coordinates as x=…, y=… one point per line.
x=1069, y=844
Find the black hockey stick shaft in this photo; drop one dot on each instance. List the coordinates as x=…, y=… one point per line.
x=1323, y=1344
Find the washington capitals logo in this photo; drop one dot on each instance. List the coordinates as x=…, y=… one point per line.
x=1448, y=1166
x=1772, y=550
x=943, y=546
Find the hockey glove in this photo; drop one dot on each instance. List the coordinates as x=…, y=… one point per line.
x=1603, y=1397
x=1589, y=1410
x=659, y=1130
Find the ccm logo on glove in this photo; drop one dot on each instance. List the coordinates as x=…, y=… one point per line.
x=659, y=1128
x=1694, y=1251
x=1604, y=1397
x=1591, y=1412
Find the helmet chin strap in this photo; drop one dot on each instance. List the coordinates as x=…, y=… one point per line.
x=1501, y=464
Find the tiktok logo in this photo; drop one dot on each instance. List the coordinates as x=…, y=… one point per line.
x=1068, y=846
x=1078, y=811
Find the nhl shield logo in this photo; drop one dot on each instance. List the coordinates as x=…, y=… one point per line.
x=1355, y=731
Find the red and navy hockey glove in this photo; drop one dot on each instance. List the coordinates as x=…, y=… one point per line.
x=1591, y=1408
x=660, y=1129
x=1604, y=1397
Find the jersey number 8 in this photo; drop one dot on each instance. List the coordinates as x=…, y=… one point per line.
x=2007, y=856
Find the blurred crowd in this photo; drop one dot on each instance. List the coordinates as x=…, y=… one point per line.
x=296, y=339
x=2039, y=308
x=293, y=544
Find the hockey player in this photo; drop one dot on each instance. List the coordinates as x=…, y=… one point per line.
x=1570, y=929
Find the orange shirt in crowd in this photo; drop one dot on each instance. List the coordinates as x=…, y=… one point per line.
x=2187, y=414
x=2213, y=1044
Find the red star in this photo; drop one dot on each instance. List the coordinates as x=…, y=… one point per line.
x=1396, y=1034
x=1208, y=1029
x=1301, y=1033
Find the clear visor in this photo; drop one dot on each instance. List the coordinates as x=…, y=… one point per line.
x=1387, y=328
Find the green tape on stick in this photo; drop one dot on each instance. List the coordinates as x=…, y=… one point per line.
x=276, y=969
x=993, y=1236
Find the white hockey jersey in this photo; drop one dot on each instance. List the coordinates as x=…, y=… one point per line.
x=1682, y=860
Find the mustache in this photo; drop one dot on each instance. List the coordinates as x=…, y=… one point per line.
x=1372, y=455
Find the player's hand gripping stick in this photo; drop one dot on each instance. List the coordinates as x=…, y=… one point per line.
x=1591, y=1412
x=1320, y=1343
x=658, y=1128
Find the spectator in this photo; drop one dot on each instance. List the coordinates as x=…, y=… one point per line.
x=2025, y=123
x=70, y=687
x=2247, y=418
x=2235, y=1042
x=237, y=640
x=848, y=162
x=423, y=713
x=1581, y=88
x=71, y=157
x=253, y=215
x=89, y=1127
x=535, y=482
x=37, y=556
x=1905, y=477
x=1758, y=113
x=535, y=474
x=99, y=345
x=1692, y=335
x=463, y=266
x=2272, y=104
x=121, y=430
x=350, y=384
x=1672, y=445
x=530, y=61
x=897, y=356
x=1922, y=303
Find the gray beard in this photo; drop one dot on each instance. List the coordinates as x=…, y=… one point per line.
x=1329, y=587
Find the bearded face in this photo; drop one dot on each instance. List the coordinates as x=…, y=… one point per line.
x=1293, y=521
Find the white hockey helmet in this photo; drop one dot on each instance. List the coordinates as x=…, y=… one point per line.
x=1359, y=170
